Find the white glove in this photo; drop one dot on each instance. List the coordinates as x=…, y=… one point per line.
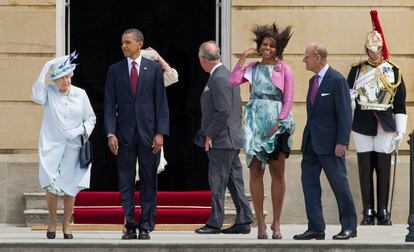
x=45, y=70
x=353, y=93
x=72, y=133
x=397, y=139
x=400, y=122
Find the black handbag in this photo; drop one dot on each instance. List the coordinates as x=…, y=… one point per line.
x=85, y=153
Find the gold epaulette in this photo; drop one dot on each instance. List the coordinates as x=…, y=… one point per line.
x=393, y=64
x=399, y=73
x=358, y=63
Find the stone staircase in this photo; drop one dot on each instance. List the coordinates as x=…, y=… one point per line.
x=36, y=213
x=35, y=210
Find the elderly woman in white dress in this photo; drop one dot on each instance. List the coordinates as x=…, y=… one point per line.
x=67, y=114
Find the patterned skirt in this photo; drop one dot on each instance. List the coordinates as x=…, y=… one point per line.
x=260, y=117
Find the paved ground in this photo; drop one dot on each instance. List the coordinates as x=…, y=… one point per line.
x=372, y=235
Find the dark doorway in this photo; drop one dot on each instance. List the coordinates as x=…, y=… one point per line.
x=175, y=28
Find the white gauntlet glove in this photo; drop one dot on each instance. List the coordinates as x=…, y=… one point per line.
x=401, y=126
x=397, y=139
x=72, y=133
x=354, y=95
x=45, y=70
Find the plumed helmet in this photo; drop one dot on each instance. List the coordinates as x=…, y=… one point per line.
x=375, y=38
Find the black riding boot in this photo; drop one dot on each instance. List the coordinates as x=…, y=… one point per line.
x=383, y=188
x=366, y=168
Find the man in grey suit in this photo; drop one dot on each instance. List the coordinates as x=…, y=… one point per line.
x=221, y=137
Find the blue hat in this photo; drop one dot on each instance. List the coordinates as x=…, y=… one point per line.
x=62, y=66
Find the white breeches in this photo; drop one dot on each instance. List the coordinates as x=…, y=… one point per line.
x=381, y=143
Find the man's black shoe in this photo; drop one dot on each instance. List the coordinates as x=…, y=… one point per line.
x=383, y=217
x=237, y=229
x=367, y=220
x=143, y=235
x=368, y=217
x=129, y=234
x=345, y=235
x=309, y=235
x=206, y=229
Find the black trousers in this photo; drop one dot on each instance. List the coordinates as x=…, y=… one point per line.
x=335, y=171
x=126, y=165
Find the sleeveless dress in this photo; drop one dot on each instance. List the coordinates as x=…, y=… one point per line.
x=262, y=113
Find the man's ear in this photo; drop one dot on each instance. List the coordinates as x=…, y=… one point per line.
x=318, y=58
x=140, y=43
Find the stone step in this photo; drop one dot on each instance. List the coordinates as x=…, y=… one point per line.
x=40, y=216
x=120, y=227
x=228, y=202
x=38, y=201
x=36, y=209
x=369, y=239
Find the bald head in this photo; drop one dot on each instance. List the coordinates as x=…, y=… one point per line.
x=209, y=55
x=209, y=50
x=319, y=50
x=316, y=57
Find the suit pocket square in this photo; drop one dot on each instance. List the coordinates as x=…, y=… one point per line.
x=206, y=89
x=325, y=94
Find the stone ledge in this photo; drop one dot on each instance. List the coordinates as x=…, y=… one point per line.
x=40, y=216
x=38, y=201
x=21, y=158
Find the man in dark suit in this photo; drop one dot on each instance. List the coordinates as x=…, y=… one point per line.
x=324, y=143
x=136, y=119
x=221, y=137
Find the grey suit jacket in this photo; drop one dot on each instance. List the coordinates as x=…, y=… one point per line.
x=221, y=112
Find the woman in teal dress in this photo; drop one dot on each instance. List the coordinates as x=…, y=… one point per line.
x=268, y=123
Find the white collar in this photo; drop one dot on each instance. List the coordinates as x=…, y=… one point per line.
x=322, y=72
x=137, y=60
x=215, y=67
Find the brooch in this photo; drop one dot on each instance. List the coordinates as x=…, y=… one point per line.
x=276, y=67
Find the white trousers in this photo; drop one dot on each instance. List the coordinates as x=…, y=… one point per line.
x=381, y=143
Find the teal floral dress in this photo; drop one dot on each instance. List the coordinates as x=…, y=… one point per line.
x=261, y=115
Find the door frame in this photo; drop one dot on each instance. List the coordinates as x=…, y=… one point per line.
x=223, y=28
x=62, y=46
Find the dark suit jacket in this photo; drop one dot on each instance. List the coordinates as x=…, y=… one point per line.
x=329, y=120
x=147, y=112
x=221, y=112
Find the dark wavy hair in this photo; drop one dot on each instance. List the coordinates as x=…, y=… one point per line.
x=281, y=37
